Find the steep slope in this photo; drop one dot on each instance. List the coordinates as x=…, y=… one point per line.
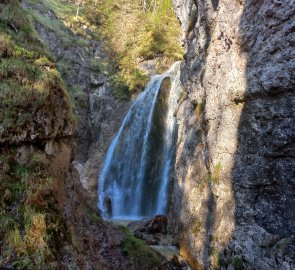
x=234, y=173
x=36, y=129
x=47, y=218
x=79, y=57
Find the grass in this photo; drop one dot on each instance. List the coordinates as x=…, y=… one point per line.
x=133, y=35
x=136, y=35
x=32, y=230
x=30, y=223
x=29, y=81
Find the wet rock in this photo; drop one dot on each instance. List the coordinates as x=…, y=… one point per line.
x=150, y=230
x=157, y=225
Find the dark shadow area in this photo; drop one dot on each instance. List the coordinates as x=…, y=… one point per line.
x=263, y=176
x=215, y=4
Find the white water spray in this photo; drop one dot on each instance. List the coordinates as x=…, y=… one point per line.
x=125, y=182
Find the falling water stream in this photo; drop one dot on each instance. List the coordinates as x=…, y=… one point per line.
x=134, y=180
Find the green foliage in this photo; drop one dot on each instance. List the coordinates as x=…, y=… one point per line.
x=140, y=254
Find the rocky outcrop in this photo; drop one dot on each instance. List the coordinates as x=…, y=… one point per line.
x=234, y=173
x=99, y=113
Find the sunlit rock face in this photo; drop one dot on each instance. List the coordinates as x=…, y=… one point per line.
x=234, y=180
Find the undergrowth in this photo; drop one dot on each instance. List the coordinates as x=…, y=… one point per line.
x=32, y=231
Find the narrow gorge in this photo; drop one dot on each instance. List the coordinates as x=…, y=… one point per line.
x=105, y=164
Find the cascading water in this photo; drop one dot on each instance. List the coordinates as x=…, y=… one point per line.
x=134, y=180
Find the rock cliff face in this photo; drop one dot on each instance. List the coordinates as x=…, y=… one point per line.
x=234, y=181
x=99, y=114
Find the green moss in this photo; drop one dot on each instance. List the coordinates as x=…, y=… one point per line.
x=214, y=176
x=202, y=186
x=62, y=65
x=7, y=223
x=121, y=89
x=56, y=26
x=216, y=173
x=237, y=263
x=6, y=47
x=139, y=253
x=93, y=217
x=79, y=98
x=215, y=258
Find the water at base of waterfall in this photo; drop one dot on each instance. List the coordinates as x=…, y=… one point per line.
x=134, y=180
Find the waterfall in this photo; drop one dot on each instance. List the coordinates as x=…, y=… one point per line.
x=134, y=180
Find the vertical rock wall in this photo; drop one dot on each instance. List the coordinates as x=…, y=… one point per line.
x=234, y=180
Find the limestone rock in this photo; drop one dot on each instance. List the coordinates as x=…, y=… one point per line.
x=234, y=172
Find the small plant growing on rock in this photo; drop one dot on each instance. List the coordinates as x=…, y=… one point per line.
x=197, y=227
x=216, y=173
x=199, y=109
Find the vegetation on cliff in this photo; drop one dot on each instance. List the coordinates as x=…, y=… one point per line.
x=132, y=32
x=138, y=32
x=35, y=112
x=32, y=230
x=29, y=82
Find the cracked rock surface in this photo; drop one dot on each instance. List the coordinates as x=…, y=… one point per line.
x=234, y=180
